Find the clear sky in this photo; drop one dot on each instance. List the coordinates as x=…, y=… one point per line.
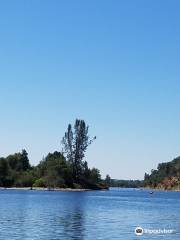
x=115, y=64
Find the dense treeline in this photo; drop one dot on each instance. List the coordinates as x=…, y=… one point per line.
x=14, y=169
x=167, y=176
x=54, y=171
x=65, y=169
x=126, y=183
x=123, y=183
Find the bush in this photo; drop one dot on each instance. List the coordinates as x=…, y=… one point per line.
x=40, y=183
x=77, y=186
x=25, y=180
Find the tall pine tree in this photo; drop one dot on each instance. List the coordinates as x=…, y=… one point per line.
x=75, y=143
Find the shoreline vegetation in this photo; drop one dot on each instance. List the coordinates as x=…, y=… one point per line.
x=165, y=177
x=67, y=170
x=84, y=190
x=47, y=189
x=64, y=169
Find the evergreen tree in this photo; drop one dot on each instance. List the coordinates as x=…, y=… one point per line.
x=76, y=142
x=108, y=180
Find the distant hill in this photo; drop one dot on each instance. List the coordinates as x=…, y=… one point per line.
x=126, y=183
x=167, y=176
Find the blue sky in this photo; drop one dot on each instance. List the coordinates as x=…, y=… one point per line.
x=113, y=63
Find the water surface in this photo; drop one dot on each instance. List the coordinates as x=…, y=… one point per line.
x=90, y=215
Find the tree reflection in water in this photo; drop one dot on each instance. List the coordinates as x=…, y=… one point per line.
x=72, y=221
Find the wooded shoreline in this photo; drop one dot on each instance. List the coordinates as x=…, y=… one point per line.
x=65, y=169
x=51, y=190
x=83, y=190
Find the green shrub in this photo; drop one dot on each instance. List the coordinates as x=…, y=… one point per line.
x=40, y=183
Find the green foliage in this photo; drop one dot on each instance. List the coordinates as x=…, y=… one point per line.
x=41, y=183
x=19, y=161
x=108, y=180
x=126, y=183
x=75, y=143
x=56, y=170
x=77, y=186
x=15, y=170
x=164, y=175
x=25, y=179
x=4, y=173
x=95, y=175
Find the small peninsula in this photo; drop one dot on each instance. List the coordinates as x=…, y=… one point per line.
x=59, y=170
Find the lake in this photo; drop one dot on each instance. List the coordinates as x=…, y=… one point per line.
x=89, y=215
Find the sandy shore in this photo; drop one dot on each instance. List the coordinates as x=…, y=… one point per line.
x=47, y=189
